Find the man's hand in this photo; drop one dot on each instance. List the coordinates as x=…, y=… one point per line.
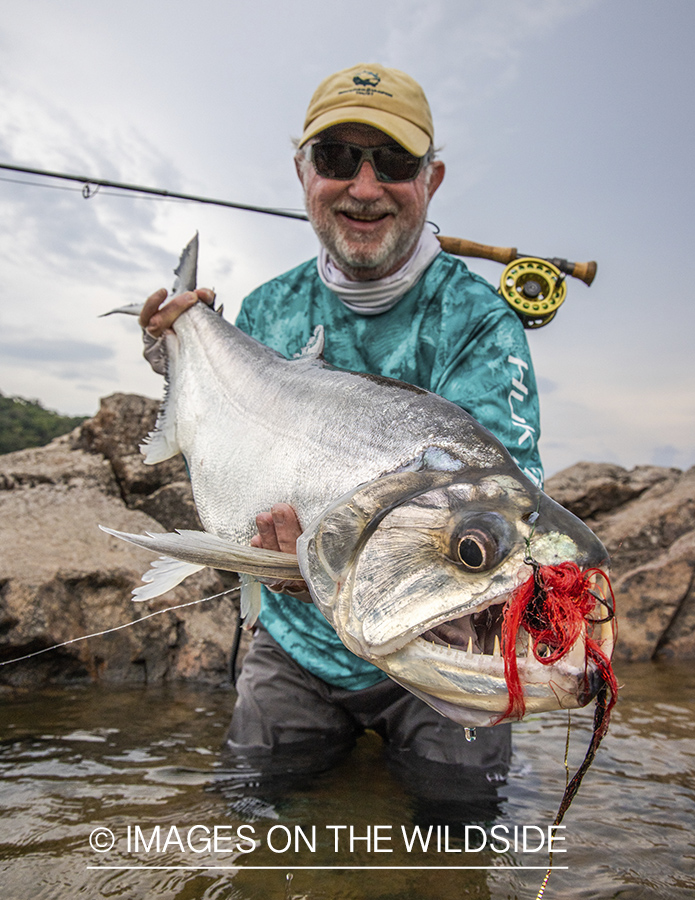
x=279, y=530
x=156, y=319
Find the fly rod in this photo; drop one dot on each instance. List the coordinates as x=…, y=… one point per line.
x=534, y=286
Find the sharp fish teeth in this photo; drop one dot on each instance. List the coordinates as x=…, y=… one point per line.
x=496, y=649
x=576, y=655
x=606, y=638
x=469, y=648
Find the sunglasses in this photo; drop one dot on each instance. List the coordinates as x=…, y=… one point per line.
x=392, y=163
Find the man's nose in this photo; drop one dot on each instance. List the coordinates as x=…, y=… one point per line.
x=365, y=186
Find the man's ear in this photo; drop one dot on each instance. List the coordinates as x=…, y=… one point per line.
x=300, y=165
x=436, y=175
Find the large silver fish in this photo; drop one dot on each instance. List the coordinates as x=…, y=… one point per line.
x=416, y=520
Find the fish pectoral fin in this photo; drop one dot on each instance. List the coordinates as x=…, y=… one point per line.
x=204, y=549
x=249, y=600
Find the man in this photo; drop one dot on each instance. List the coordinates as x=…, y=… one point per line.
x=392, y=304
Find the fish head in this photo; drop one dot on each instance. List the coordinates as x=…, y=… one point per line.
x=413, y=570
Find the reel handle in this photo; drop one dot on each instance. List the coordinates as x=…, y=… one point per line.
x=584, y=271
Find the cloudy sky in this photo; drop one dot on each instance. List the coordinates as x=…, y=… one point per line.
x=567, y=129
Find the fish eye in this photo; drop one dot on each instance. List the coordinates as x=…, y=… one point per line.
x=471, y=552
x=482, y=542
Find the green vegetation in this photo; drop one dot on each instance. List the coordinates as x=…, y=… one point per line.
x=26, y=423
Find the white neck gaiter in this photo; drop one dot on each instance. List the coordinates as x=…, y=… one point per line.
x=373, y=297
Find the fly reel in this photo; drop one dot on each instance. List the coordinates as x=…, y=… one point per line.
x=534, y=288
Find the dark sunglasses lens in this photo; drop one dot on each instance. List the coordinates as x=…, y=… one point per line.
x=336, y=160
x=395, y=164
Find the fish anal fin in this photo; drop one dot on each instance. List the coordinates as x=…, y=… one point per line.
x=164, y=574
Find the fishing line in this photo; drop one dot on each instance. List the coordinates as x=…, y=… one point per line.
x=86, y=637
x=554, y=607
x=601, y=719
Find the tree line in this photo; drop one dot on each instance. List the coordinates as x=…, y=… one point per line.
x=26, y=423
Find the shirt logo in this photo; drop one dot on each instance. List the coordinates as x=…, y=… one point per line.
x=516, y=397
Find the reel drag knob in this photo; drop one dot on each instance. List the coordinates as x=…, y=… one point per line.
x=534, y=288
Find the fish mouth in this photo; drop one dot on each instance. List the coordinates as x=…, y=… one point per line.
x=479, y=634
x=457, y=668
x=476, y=633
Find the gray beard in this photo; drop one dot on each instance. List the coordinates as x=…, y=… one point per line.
x=367, y=264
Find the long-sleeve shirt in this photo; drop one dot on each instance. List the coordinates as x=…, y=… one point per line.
x=451, y=334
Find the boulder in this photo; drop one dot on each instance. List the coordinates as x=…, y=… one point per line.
x=646, y=519
x=591, y=489
x=61, y=578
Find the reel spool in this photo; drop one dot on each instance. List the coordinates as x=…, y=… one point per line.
x=534, y=288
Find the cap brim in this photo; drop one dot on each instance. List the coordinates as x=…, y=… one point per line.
x=414, y=139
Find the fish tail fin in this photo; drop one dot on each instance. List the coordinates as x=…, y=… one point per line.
x=130, y=309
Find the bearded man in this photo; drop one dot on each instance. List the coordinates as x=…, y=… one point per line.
x=392, y=304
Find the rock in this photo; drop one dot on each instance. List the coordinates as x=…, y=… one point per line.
x=62, y=578
x=588, y=489
x=643, y=528
x=172, y=506
x=116, y=432
x=646, y=519
x=656, y=605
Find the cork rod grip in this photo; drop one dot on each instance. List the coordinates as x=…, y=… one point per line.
x=462, y=247
x=585, y=271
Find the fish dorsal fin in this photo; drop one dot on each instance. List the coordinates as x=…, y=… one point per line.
x=314, y=346
x=162, y=443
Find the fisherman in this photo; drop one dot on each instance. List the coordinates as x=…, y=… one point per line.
x=392, y=304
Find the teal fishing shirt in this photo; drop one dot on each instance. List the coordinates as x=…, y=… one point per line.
x=452, y=334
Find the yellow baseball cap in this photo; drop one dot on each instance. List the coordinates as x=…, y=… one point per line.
x=374, y=95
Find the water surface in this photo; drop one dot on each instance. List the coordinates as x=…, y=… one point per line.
x=145, y=764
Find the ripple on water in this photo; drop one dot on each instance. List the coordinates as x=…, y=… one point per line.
x=75, y=760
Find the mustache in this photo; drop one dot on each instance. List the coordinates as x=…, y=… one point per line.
x=376, y=208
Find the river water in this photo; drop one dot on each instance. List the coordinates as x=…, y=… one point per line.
x=114, y=793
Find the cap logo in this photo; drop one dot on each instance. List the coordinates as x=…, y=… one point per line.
x=366, y=79
x=366, y=82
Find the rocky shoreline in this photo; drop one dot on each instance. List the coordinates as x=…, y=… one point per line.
x=62, y=578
